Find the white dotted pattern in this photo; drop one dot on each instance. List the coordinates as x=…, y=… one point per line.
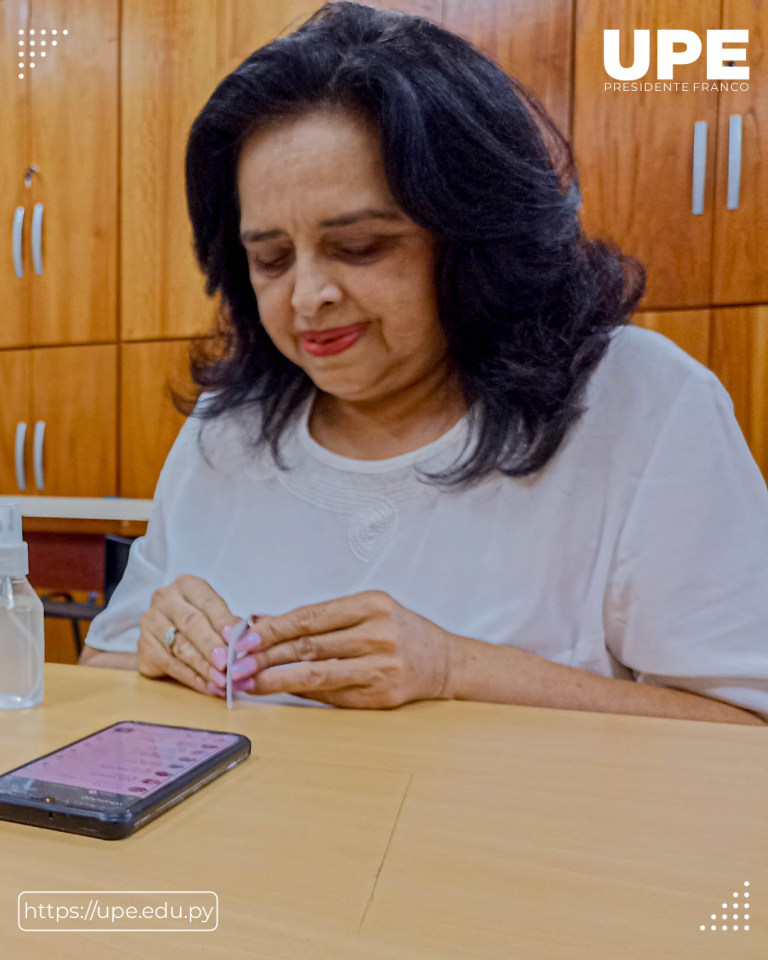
x=735, y=915
x=32, y=43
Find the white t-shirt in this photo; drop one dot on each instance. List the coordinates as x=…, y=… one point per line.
x=640, y=551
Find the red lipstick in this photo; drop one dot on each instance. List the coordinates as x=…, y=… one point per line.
x=327, y=343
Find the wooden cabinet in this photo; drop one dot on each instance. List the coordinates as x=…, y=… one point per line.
x=168, y=71
x=689, y=329
x=58, y=268
x=148, y=421
x=74, y=391
x=635, y=153
x=740, y=264
x=73, y=141
x=15, y=417
x=634, y=150
x=67, y=397
x=529, y=39
x=733, y=343
x=740, y=359
x=15, y=208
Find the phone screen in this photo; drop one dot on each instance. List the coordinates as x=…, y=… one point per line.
x=126, y=762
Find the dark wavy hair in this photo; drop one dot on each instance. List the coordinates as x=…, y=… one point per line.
x=527, y=302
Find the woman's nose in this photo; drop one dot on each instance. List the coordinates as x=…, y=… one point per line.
x=313, y=287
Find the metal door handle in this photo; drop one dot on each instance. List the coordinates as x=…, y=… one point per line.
x=37, y=238
x=18, y=228
x=21, y=442
x=38, y=442
x=734, y=161
x=699, y=165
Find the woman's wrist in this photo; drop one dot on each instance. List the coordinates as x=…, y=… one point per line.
x=115, y=660
x=455, y=659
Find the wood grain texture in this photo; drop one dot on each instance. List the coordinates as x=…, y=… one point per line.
x=243, y=27
x=75, y=393
x=168, y=72
x=437, y=831
x=740, y=265
x=148, y=421
x=74, y=94
x=123, y=528
x=14, y=160
x=15, y=407
x=529, y=39
x=689, y=329
x=634, y=150
x=740, y=359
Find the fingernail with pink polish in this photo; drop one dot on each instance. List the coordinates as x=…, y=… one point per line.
x=248, y=684
x=219, y=657
x=226, y=633
x=243, y=667
x=217, y=677
x=248, y=643
x=212, y=688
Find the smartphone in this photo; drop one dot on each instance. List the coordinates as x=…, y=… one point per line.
x=112, y=782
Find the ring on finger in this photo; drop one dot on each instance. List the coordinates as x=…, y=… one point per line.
x=169, y=638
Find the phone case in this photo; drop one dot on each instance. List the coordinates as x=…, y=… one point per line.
x=71, y=818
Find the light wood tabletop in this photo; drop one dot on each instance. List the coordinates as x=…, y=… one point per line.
x=440, y=830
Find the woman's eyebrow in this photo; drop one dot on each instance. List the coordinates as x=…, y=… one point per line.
x=368, y=213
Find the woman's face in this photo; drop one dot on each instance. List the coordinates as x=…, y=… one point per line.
x=343, y=279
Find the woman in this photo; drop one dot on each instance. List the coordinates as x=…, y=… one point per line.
x=434, y=455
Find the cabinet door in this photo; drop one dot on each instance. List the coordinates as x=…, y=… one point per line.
x=739, y=264
x=14, y=159
x=74, y=391
x=73, y=93
x=529, y=39
x=740, y=359
x=634, y=150
x=689, y=329
x=15, y=408
x=168, y=72
x=148, y=421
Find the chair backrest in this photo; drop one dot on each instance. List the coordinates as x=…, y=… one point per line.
x=116, y=550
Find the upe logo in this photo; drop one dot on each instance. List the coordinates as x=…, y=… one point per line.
x=718, y=57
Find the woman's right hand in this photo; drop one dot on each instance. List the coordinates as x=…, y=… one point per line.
x=199, y=652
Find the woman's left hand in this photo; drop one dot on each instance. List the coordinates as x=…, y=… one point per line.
x=364, y=651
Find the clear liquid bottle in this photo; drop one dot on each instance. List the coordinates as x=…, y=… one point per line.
x=22, y=633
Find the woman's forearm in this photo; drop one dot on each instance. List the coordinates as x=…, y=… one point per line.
x=489, y=673
x=103, y=658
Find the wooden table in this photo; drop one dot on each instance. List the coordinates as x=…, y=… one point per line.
x=448, y=831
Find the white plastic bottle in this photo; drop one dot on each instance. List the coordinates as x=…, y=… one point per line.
x=22, y=632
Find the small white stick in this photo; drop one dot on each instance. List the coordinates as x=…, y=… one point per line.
x=237, y=632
